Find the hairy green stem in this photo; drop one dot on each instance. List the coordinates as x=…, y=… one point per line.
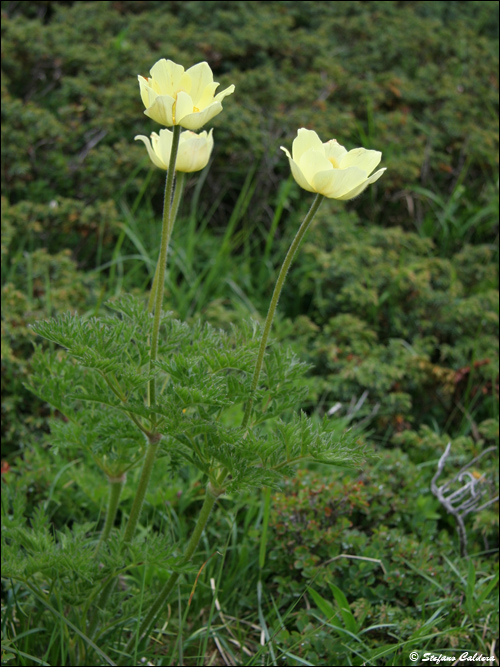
x=133, y=520
x=162, y=597
x=211, y=496
x=162, y=259
x=169, y=209
x=115, y=490
x=179, y=187
x=147, y=468
x=274, y=302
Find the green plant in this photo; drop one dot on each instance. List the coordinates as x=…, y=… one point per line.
x=140, y=382
x=402, y=338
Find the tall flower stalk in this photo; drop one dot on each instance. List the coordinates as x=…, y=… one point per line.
x=162, y=259
x=274, y=302
x=178, y=190
x=213, y=493
x=331, y=172
x=154, y=439
x=178, y=153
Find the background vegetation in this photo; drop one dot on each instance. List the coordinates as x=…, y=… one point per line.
x=393, y=301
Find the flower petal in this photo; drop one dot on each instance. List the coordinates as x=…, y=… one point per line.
x=152, y=155
x=336, y=182
x=162, y=110
x=334, y=152
x=166, y=77
x=329, y=169
x=194, y=151
x=286, y=151
x=183, y=106
x=201, y=76
x=207, y=96
x=228, y=91
x=304, y=141
x=194, y=121
x=188, y=92
x=185, y=83
x=297, y=173
x=163, y=147
x=148, y=95
x=362, y=158
x=313, y=161
x=359, y=189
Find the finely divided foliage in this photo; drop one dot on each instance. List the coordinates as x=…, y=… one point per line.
x=203, y=372
x=96, y=384
x=137, y=382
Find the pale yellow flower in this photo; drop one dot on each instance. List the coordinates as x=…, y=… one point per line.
x=329, y=169
x=173, y=96
x=193, y=153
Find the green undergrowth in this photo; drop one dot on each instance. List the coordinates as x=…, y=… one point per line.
x=428, y=101
x=359, y=567
x=379, y=311
x=393, y=302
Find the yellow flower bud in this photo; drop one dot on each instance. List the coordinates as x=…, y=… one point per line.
x=193, y=153
x=329, y=169
x=173, y=96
